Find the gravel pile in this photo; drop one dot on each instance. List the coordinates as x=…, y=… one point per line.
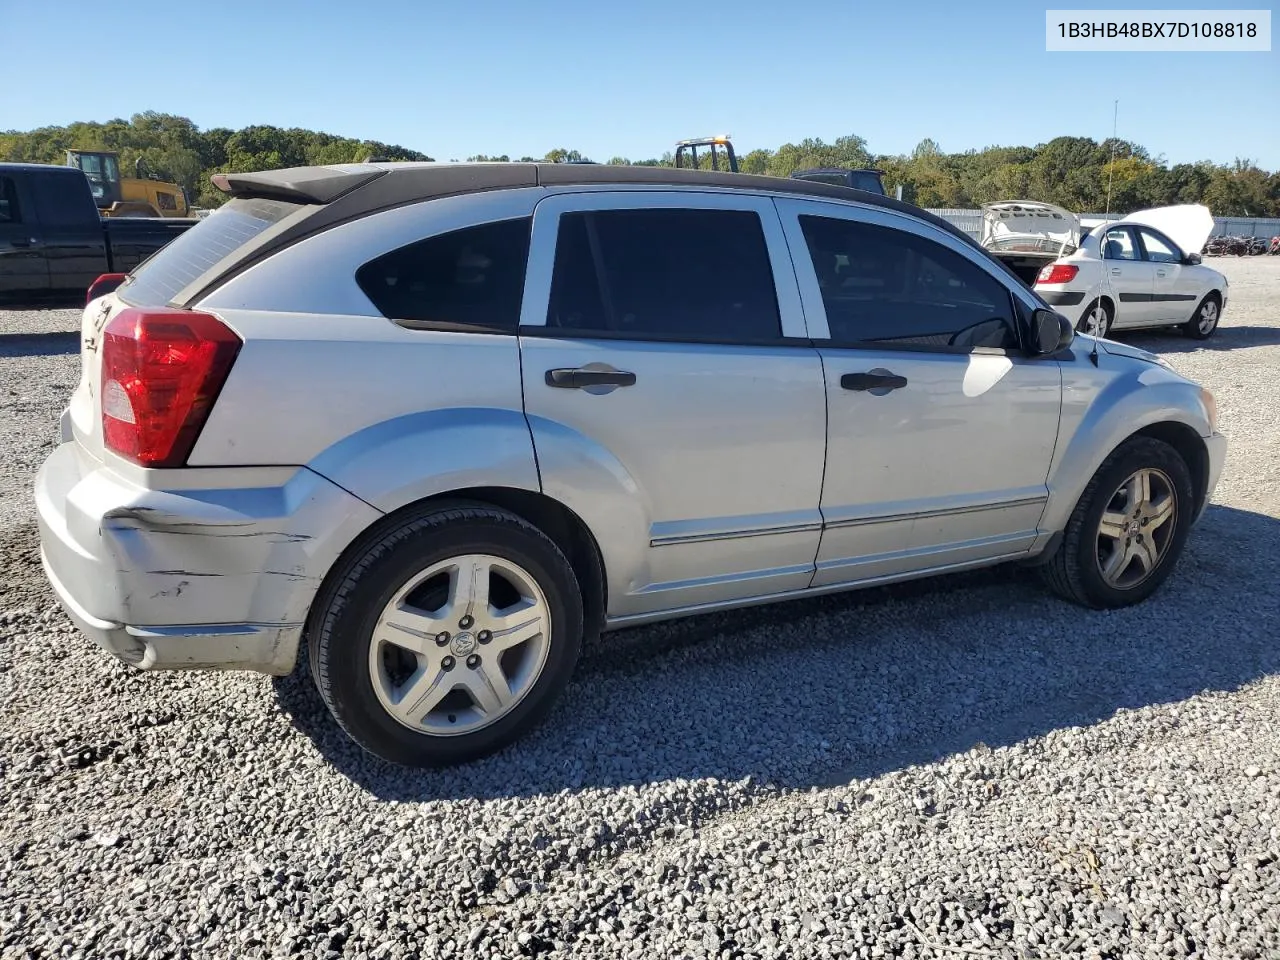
x=964, y=767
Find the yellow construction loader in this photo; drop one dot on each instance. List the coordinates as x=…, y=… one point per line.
x=142, y=195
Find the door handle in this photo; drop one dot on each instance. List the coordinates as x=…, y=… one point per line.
x=1161, y=273
x=571, y=378
x=1115, y=271
x=872, y=381
x=22, y=241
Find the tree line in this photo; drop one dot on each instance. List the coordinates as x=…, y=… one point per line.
x=1078, y=173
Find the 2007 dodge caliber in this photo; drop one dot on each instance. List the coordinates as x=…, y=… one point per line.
x=446, y=422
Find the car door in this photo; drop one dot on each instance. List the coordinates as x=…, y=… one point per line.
x=675, y=402
x=940, y=431
x=1132, y=278
x=23, y=268
x=1175, y=289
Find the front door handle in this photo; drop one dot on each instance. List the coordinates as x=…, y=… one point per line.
x=872, y=381
x=571, y=378
x=1115, y=271
x=1161, y=273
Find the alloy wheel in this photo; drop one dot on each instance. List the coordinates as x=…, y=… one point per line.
x=1136, y=528
x=1208, y=318
x=459, y=645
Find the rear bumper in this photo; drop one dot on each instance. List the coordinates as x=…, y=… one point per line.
x=206, y=578
x=245, y=646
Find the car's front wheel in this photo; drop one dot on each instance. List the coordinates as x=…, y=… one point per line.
x=1096, y=319
x=1205, y=320
x=1128, y=529
x=446, y=636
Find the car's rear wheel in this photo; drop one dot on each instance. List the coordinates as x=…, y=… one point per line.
x=1096, y=319
x=1127, y=531
x=1204, y=321
x=446, y=635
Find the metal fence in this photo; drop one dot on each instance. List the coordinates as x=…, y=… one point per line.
x=970, y=221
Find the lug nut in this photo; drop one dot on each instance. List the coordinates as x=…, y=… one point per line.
x=484, y=636
x=466, y=622
x=447, y=663
x=473, y=661
x=442, y=639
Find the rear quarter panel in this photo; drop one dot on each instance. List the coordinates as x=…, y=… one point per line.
x=391, y=414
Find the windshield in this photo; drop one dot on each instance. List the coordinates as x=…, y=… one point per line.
x=157, y=281
x=866, y=181
x=102, y=172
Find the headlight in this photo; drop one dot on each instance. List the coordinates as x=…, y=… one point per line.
x=1210, y=409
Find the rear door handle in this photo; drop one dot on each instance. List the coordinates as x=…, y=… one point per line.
x=23, y=242
x=1161, y=273
x=872, y=381
x=1115, y=271
x=571, y=378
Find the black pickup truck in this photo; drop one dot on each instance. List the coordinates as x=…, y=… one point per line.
x=54, y=244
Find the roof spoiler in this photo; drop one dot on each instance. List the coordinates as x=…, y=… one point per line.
x=298, y=184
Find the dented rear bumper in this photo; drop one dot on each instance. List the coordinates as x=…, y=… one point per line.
x=220, y=577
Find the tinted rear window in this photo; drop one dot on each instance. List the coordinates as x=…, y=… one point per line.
x=471, y=278
x=64, y=201
x=177, y=264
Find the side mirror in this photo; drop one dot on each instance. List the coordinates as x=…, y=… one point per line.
x=1191, y=259
x=1050, y=332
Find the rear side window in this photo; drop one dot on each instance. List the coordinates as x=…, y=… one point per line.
x=191, y=254
x=664, y=274
x=1117, y=244
x=470, y=279
x=9, y=201
x=64, y=200
x=885, y=286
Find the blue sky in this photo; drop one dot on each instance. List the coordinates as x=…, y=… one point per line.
x=454, y=79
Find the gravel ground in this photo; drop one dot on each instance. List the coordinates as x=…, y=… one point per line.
x=964, y=767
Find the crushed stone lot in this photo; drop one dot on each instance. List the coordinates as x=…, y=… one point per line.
x=961, y=767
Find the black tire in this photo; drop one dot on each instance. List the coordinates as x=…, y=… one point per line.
x=1082, y=326
x=1192, y=327
x=1074, y=572
x=342, y=621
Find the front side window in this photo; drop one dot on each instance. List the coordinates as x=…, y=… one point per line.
x=9, y=201
x=666, y=274
x=1158, y=249
x=1117, y=244
x=472, y=278
x=886, y=286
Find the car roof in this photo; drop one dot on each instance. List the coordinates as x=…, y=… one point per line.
x=358, y=189
x=40, y=168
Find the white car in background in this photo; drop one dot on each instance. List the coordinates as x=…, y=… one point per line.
x=1141, y=271
x=1027, y=235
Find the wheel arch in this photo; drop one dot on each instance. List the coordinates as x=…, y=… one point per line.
x=1189, y=445
x=1164, y=407
x=565, y=528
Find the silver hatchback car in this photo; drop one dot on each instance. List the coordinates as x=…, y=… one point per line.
x=446, y=422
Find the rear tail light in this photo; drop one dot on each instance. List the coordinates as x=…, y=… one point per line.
x=161, y=372
x=103, y=285
x=1057, y=273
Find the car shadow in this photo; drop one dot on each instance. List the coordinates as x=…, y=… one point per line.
x=39, y=344
x=1226, y=338
x=866, y=682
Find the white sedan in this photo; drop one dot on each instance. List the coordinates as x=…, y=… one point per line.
x=1142, y=271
